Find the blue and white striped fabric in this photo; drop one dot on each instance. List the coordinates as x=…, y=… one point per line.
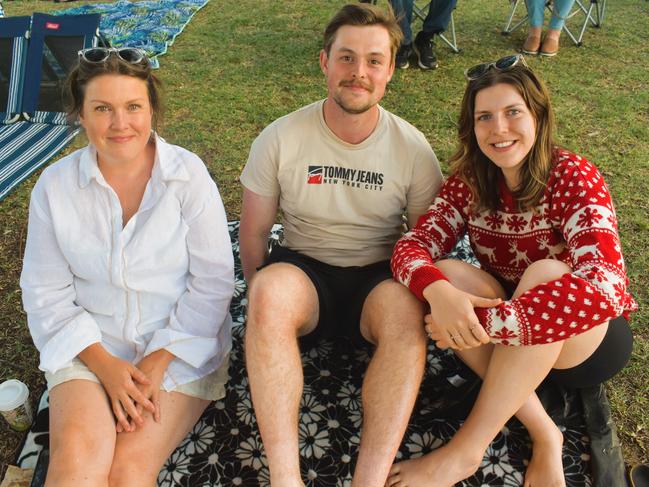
x=29, y=135
x=26, y=146
x=13, y=32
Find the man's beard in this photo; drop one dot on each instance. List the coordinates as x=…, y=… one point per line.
x=350, y=109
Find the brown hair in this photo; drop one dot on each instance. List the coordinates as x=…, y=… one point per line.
x=363, y=14
x=84, y=72
x=476, y=170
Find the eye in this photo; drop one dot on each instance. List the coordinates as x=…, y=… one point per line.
x=513, y=112
x=483, y=117
x=101, y=108
x=346, y=58
x=375, y=62
x=134, y=106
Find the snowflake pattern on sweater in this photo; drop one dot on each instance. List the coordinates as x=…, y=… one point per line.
x=574, y=222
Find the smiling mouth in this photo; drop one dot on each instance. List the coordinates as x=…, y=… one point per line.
x=504, y=145
x=121, y=138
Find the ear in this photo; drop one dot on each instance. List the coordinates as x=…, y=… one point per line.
x=391, y=72
x=82, y=120
x=324, y=61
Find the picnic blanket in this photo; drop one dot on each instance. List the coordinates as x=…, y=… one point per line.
x=225, y=449
x=150, y=25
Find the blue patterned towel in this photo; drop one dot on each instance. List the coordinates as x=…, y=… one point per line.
x=151, y=25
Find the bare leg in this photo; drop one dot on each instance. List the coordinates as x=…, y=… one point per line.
x=82, y=435
x=283, y=304
x=140, y=455
x=392, y=318
x=510, y=374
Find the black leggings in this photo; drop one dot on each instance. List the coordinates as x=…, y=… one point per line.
x=606, y=361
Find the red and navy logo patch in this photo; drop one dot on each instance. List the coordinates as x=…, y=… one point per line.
x=315, y=175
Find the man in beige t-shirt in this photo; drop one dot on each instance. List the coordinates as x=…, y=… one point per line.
x=343, y=171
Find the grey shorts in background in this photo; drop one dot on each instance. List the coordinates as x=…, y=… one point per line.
x=211, y=387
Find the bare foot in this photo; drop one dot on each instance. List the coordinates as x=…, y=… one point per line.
x=546, y=467
x=443, y=467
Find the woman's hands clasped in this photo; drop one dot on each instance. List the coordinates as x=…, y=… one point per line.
x=132, y=390
x=154, y=367
x=452, y=322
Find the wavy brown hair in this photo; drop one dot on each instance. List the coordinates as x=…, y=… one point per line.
x=363, y=14
x=84, y=72
x=477, y=170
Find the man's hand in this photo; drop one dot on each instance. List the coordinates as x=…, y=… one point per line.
x=452, y=322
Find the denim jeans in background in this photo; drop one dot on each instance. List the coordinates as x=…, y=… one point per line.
x=437, y=20
x=560, y=10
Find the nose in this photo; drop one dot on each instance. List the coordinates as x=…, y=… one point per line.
x=119, y=120
x=358, y=70
x=499, y=123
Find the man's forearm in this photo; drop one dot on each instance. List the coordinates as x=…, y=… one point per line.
x=254, y=252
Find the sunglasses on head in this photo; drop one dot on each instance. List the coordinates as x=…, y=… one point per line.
x=503, y=64
x=96, y=55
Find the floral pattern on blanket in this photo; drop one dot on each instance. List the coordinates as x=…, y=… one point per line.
x=225, y=449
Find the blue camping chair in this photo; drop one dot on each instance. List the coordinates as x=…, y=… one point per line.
x=34, y=126
x=13, y=52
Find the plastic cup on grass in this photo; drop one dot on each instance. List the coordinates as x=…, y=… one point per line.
x=14, y=404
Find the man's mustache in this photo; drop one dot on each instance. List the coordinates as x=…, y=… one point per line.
x=356, y=84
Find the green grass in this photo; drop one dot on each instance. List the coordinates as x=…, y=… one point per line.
x=241, y=64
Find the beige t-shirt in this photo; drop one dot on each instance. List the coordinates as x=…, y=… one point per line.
x=342, y=203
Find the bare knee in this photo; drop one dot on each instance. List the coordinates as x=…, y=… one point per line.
x=392, y=313
x=128, y=468
x=471, y=279
x=79, y=461
x=281, y=298
x=539, y=272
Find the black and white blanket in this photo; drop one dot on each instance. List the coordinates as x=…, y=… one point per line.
x=225, y=449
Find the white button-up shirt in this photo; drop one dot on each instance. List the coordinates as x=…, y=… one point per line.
x=165, y=280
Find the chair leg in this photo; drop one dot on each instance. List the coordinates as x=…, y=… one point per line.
x=508, y=29
x=451, y=43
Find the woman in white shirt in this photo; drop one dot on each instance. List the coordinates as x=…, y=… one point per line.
x=127, y=280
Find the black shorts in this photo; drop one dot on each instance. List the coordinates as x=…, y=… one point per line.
x=341, y=293
x=608, y=359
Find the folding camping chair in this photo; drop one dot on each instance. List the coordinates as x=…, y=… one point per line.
x=593, y=15
x=420, y=12
x=33, y=124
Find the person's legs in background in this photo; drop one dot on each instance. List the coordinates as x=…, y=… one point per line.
x=436, y=21
x=560, y=10
x=535, y=11
x=403, y=12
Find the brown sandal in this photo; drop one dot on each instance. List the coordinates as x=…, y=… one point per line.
x=550, y=47
x=532, y=45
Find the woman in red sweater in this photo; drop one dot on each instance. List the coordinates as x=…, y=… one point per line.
x=550, y=297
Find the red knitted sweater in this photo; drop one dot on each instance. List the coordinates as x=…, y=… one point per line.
x=574, y=222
